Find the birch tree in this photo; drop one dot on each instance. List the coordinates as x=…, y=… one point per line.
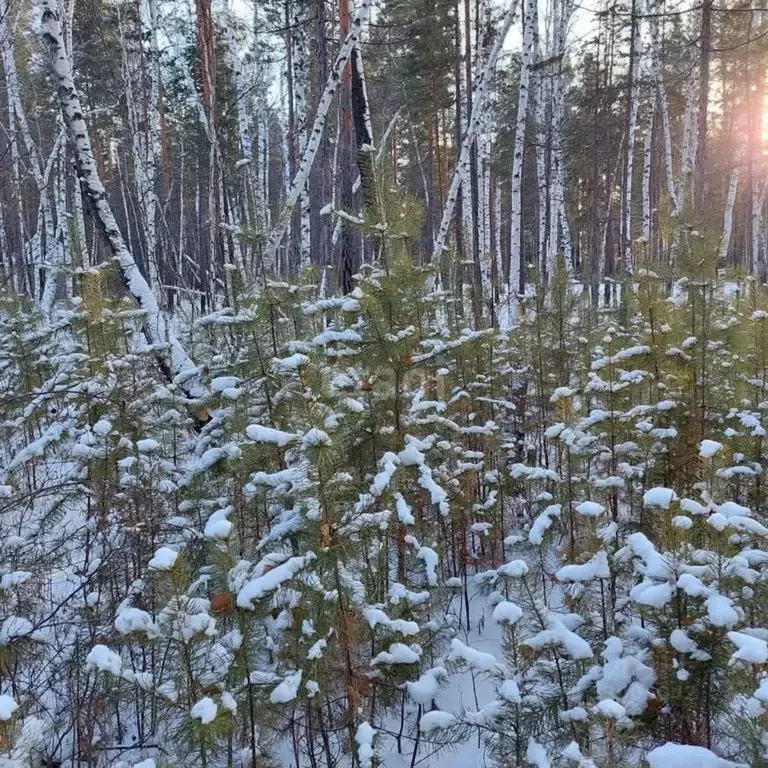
x=179, y=365
x=142, y=72
x=301, y=118
x=310, y=151
x=733, y=188
x=516, y=242
x=558, y=236
x=480, y=94
x=631, y=117
x=42, y=250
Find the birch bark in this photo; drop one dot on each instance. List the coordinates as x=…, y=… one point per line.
x=156, y=327
x=308, y=156
x=733, y=188
x=478, y=105
x=42, y=246
x=516, y=243
x=626, y=209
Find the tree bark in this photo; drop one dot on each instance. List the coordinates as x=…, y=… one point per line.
x=516, y=255
x=310, y=151
x=361, y=116
x=733, y=187
x=699, y=190
x=481, y=89
x=626, y=209
x=155, y=325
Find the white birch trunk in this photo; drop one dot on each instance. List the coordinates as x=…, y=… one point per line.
x=144, y=119
x=484, y=193
x=4, y=256
x=466, y=224
x=336, y=234
x=181, y=250
x=360, y=72
x=671, y=187
x=657, y=99
x=152, y=134
x=244, y=131
x=559, y=234
x=690, y=138
x=485, y=264
x=79, y=218
x=733, y=188
x=310, y=151
x=478, y=105
x=516, y=240
x=266, y=211
x=542, y=184
x=647, y=164
x=466, y=208
x=155, y=324
x=626, y=211
x=21, y=270
x=77, y=192
x=757, y=256
x=498, y=260
x=235, y=64
x=565, y=233
x=52, y=270
x=43, y=259
x=301, y=118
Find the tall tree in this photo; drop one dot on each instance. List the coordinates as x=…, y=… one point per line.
x=516, y=242
x=156, y=325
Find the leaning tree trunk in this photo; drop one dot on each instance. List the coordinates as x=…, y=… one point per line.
x=310, y=151
x=155, y=325
x=361, y=116
x=478, y=105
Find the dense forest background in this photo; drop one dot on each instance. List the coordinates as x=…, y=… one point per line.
x=620, y=136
